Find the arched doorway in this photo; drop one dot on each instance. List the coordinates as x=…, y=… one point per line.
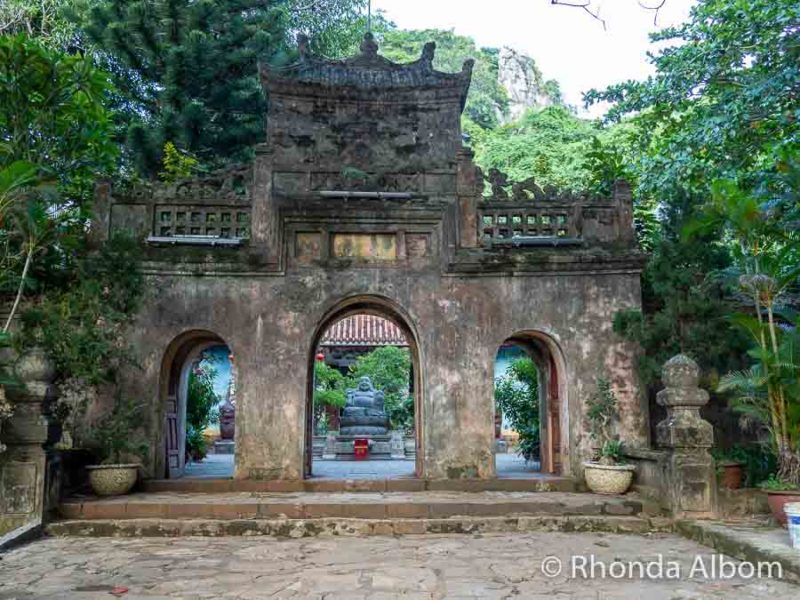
x=529, y=396
x=373, y=430
x=198, y=404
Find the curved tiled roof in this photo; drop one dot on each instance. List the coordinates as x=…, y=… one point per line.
x=369, y=70
x=364, y=330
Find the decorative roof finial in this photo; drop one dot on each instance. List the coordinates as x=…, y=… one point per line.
x=369, y=16
x=369, y=47
x=302, y=45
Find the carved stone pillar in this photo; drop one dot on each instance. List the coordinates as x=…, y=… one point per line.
x=690, y=470
x=329, y=452
x=22, y=465
x=469, y=185
x=397, y=445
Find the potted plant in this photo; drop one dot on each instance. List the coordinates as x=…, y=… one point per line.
x=113, y=443
x=729, y=468
x=779, y=494
x=609, y=474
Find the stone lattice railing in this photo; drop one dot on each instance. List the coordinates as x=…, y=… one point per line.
x=523, y=211
x=211, y=207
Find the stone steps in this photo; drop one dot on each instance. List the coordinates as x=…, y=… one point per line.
x=350, y=505
x=342, y=527
x=540, y=483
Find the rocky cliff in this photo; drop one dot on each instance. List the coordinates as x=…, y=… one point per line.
x=524, y=83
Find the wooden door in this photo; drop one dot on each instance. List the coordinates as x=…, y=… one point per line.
x=175, y=455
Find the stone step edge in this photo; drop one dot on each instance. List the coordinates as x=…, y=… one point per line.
x=95, y=510
x=725, y=541
x=334, y=527
x=201, y=486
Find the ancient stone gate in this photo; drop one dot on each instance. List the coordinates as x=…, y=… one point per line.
x=365, y=199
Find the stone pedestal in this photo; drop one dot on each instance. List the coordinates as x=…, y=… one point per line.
x=329, y=452
x=224, y=447
x=22, y=465
x=397, y=445
x=690, y=478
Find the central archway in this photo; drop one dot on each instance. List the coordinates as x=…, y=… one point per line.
x=383, y=308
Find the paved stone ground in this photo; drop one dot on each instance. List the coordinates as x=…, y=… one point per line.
x=433, y=566
x=220, y=466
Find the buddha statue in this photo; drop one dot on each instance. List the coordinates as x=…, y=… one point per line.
x=363, y=413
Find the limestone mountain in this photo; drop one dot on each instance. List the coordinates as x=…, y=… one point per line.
x=505, y=82
x=524, y=84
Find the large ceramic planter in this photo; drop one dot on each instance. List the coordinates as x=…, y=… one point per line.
x=112, y=480
x=732, y=473
x=608, y=479
x=777, y=500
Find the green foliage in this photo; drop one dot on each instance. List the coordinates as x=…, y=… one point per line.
x=54, y=142
x=602, y=412
x=187, y=72
x=516, y=395
x=549, y=144
x=53, y=113
x=45, y=20
x=81, y=326
x=195, y=443
x=758, y=460
x=776, y=484
x=177, y=164
x=113, y=437
x=201, y=397
x=612, y=452
x=389, y=368
x=723, y=99
x=685, y=304
x=487, y=101
x=766, y=266
x=329, y=387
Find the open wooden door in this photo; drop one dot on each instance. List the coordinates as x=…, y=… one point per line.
x=175, y=454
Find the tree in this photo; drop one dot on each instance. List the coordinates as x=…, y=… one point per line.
x=767, y=267
x=684, y=303
x=45, y=20
x=550, y=144
x=188, y=70
x=188, y=73
x=55, y=140
x=723, y=101
x=54, y=114
x=516, y=395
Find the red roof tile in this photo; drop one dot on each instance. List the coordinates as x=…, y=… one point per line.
x=364, y=330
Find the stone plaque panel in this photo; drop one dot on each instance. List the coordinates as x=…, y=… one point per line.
x=308, y=246
x=367, y=246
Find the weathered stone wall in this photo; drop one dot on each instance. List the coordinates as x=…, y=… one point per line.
x=269, y=324
x=401, y=238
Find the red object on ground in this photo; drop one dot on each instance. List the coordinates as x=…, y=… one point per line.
x=119, y=590
x=360, y=448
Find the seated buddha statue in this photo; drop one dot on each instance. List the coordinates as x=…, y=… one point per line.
x=364, y=413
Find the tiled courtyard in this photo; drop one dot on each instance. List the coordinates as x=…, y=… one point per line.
x=432, y=566
x=220, y=466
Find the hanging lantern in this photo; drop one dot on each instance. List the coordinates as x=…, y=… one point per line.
x=320, y=356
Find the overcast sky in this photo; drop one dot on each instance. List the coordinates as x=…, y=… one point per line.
x=567, y=44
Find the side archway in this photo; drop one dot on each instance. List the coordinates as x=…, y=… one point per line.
x=180, y=357
x=383, y=308
x=553, y=411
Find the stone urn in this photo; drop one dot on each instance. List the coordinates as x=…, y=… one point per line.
x=608, y=479
x=113, y=480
